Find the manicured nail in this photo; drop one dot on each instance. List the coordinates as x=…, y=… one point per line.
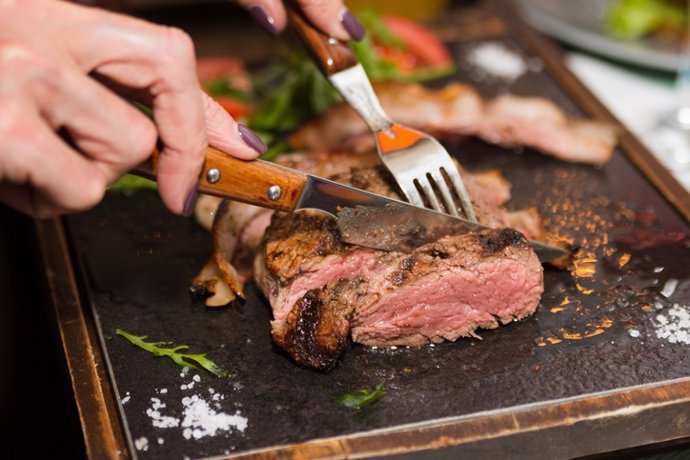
x=251, y=138
x=352, y=25
x=265, y=20
x=190, y=200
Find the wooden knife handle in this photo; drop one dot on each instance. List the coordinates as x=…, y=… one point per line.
x=331, y=55
x=256, y=182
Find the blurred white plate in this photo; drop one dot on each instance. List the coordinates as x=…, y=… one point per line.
x=581, y=23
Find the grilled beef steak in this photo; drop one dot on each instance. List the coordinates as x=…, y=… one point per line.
x=321, y=290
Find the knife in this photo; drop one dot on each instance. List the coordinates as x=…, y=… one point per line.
x=363, y=218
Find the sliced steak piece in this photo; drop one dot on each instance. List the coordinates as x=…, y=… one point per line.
x=456, y=111
x=450, y=288
x=440, y=291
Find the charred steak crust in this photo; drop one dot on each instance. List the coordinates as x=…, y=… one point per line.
x=296, y=239
x=316, y=329
x=493, y=242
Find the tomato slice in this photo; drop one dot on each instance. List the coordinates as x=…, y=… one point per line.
x=423, y=47
x=215, y=67
x=235, y=108
x=212, y=69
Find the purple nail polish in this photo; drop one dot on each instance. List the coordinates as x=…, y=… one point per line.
x=251, y=139
x=353, y=27
x=265, y=20
x=190, y=200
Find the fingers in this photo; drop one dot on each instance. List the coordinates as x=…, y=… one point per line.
x=161, y=60
x=330, y=16
x=112, y=133
x=109, y=136
x=227, y=135
x=39, y=174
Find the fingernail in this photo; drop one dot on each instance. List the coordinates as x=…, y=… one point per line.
x=251, y=138
x=352, y=25
x=190, y=200
x=265, y=20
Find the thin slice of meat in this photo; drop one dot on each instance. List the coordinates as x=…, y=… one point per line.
x=513, y=121
x=458, y=110
x=237, y=231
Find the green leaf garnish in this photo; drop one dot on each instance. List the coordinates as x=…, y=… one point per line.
x=223, y=87
x=360, y=398
x=182, y=359
x=130, y=183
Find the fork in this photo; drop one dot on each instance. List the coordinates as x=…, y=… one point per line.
x=420, y=165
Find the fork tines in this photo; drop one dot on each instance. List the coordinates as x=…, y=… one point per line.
x=425, y=171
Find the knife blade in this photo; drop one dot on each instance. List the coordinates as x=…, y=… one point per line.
x=364, y=218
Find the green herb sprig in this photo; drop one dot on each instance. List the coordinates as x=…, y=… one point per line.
x=182, y=359
x=361, y=398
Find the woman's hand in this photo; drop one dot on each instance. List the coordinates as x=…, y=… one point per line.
x=331, y=16
x=66, y=128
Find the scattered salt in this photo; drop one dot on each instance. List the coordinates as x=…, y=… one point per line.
x=634, y=333
x=496, y=60
x=183, y=387
x=196, y=378
x=200, y=420
x=669, y=287
x=163, y=391
x=658, y=269
x=141, y=444
x=159, y=420
x=125, y=400
x=674, y=326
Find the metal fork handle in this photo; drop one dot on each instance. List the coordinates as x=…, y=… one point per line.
x=355, y=87
x=340, y=64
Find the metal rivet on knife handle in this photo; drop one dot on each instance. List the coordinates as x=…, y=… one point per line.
x=274, y=192
x=213, y=175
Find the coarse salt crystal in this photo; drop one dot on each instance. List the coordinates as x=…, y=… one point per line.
x=141, y=444
x=125, y=400
x=163, y=391
x=196, y=378
x=496, y=60
x=669, y=287
x=634, y=333
x=160, y=440
x=658, y=269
